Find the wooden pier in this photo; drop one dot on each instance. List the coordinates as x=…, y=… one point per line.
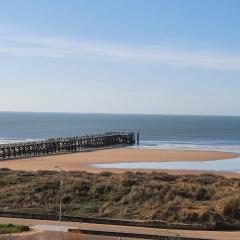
x=65, y=145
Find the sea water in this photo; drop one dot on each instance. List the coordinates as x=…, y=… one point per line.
x=156, y=131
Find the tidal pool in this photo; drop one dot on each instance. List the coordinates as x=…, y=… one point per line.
x=229, y=165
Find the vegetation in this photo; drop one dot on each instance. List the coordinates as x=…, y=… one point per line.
x=11, y=228
x=206, y=199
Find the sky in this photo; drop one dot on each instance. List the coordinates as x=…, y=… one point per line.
x=123, y=56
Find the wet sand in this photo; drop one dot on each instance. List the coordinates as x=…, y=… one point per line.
x=82, y=161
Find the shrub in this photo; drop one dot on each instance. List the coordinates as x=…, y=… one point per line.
x=232, y=207
x=203, y=194
x=11, y=228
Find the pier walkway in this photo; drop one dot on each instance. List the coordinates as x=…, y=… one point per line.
x=65, y=145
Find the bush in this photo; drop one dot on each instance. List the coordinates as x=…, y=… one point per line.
x=11, y=228
x=232, y=207
x=203, y=194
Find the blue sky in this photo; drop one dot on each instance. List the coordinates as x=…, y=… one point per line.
x=128, y=56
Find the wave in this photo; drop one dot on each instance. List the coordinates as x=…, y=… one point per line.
x=16, y=140
x=223, y=146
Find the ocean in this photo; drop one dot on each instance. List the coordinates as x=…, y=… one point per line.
x=156, y=131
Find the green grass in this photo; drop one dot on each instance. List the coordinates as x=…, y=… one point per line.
x=11, y=228
x=206, y=199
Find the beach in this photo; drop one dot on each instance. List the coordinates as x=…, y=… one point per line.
x=83, y=161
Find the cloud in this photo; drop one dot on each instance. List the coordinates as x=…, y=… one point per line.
x=65, y=48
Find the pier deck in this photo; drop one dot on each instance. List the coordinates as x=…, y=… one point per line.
x=65, y=145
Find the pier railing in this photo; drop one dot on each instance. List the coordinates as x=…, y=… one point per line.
x=65, y=145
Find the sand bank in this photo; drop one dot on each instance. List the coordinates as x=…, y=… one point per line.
x=82, y=161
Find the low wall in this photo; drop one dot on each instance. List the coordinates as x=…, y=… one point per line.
x=133, y=223
x=132, y=235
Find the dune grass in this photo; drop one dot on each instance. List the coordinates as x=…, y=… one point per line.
x=206, y=199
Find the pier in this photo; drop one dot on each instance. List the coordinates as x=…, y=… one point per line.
x=65, y=145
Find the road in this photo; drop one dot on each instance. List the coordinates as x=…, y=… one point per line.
x=48, y=230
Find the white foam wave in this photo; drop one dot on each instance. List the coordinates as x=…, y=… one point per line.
x=16, y=140
x=205, y=146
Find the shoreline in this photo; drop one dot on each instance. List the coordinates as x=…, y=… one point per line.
x=82, y=161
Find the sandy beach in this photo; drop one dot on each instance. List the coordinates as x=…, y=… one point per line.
x=82, y=161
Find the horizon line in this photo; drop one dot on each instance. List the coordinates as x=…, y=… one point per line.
x=106, y=113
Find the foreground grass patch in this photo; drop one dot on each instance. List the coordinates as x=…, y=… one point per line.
x=12, y=228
